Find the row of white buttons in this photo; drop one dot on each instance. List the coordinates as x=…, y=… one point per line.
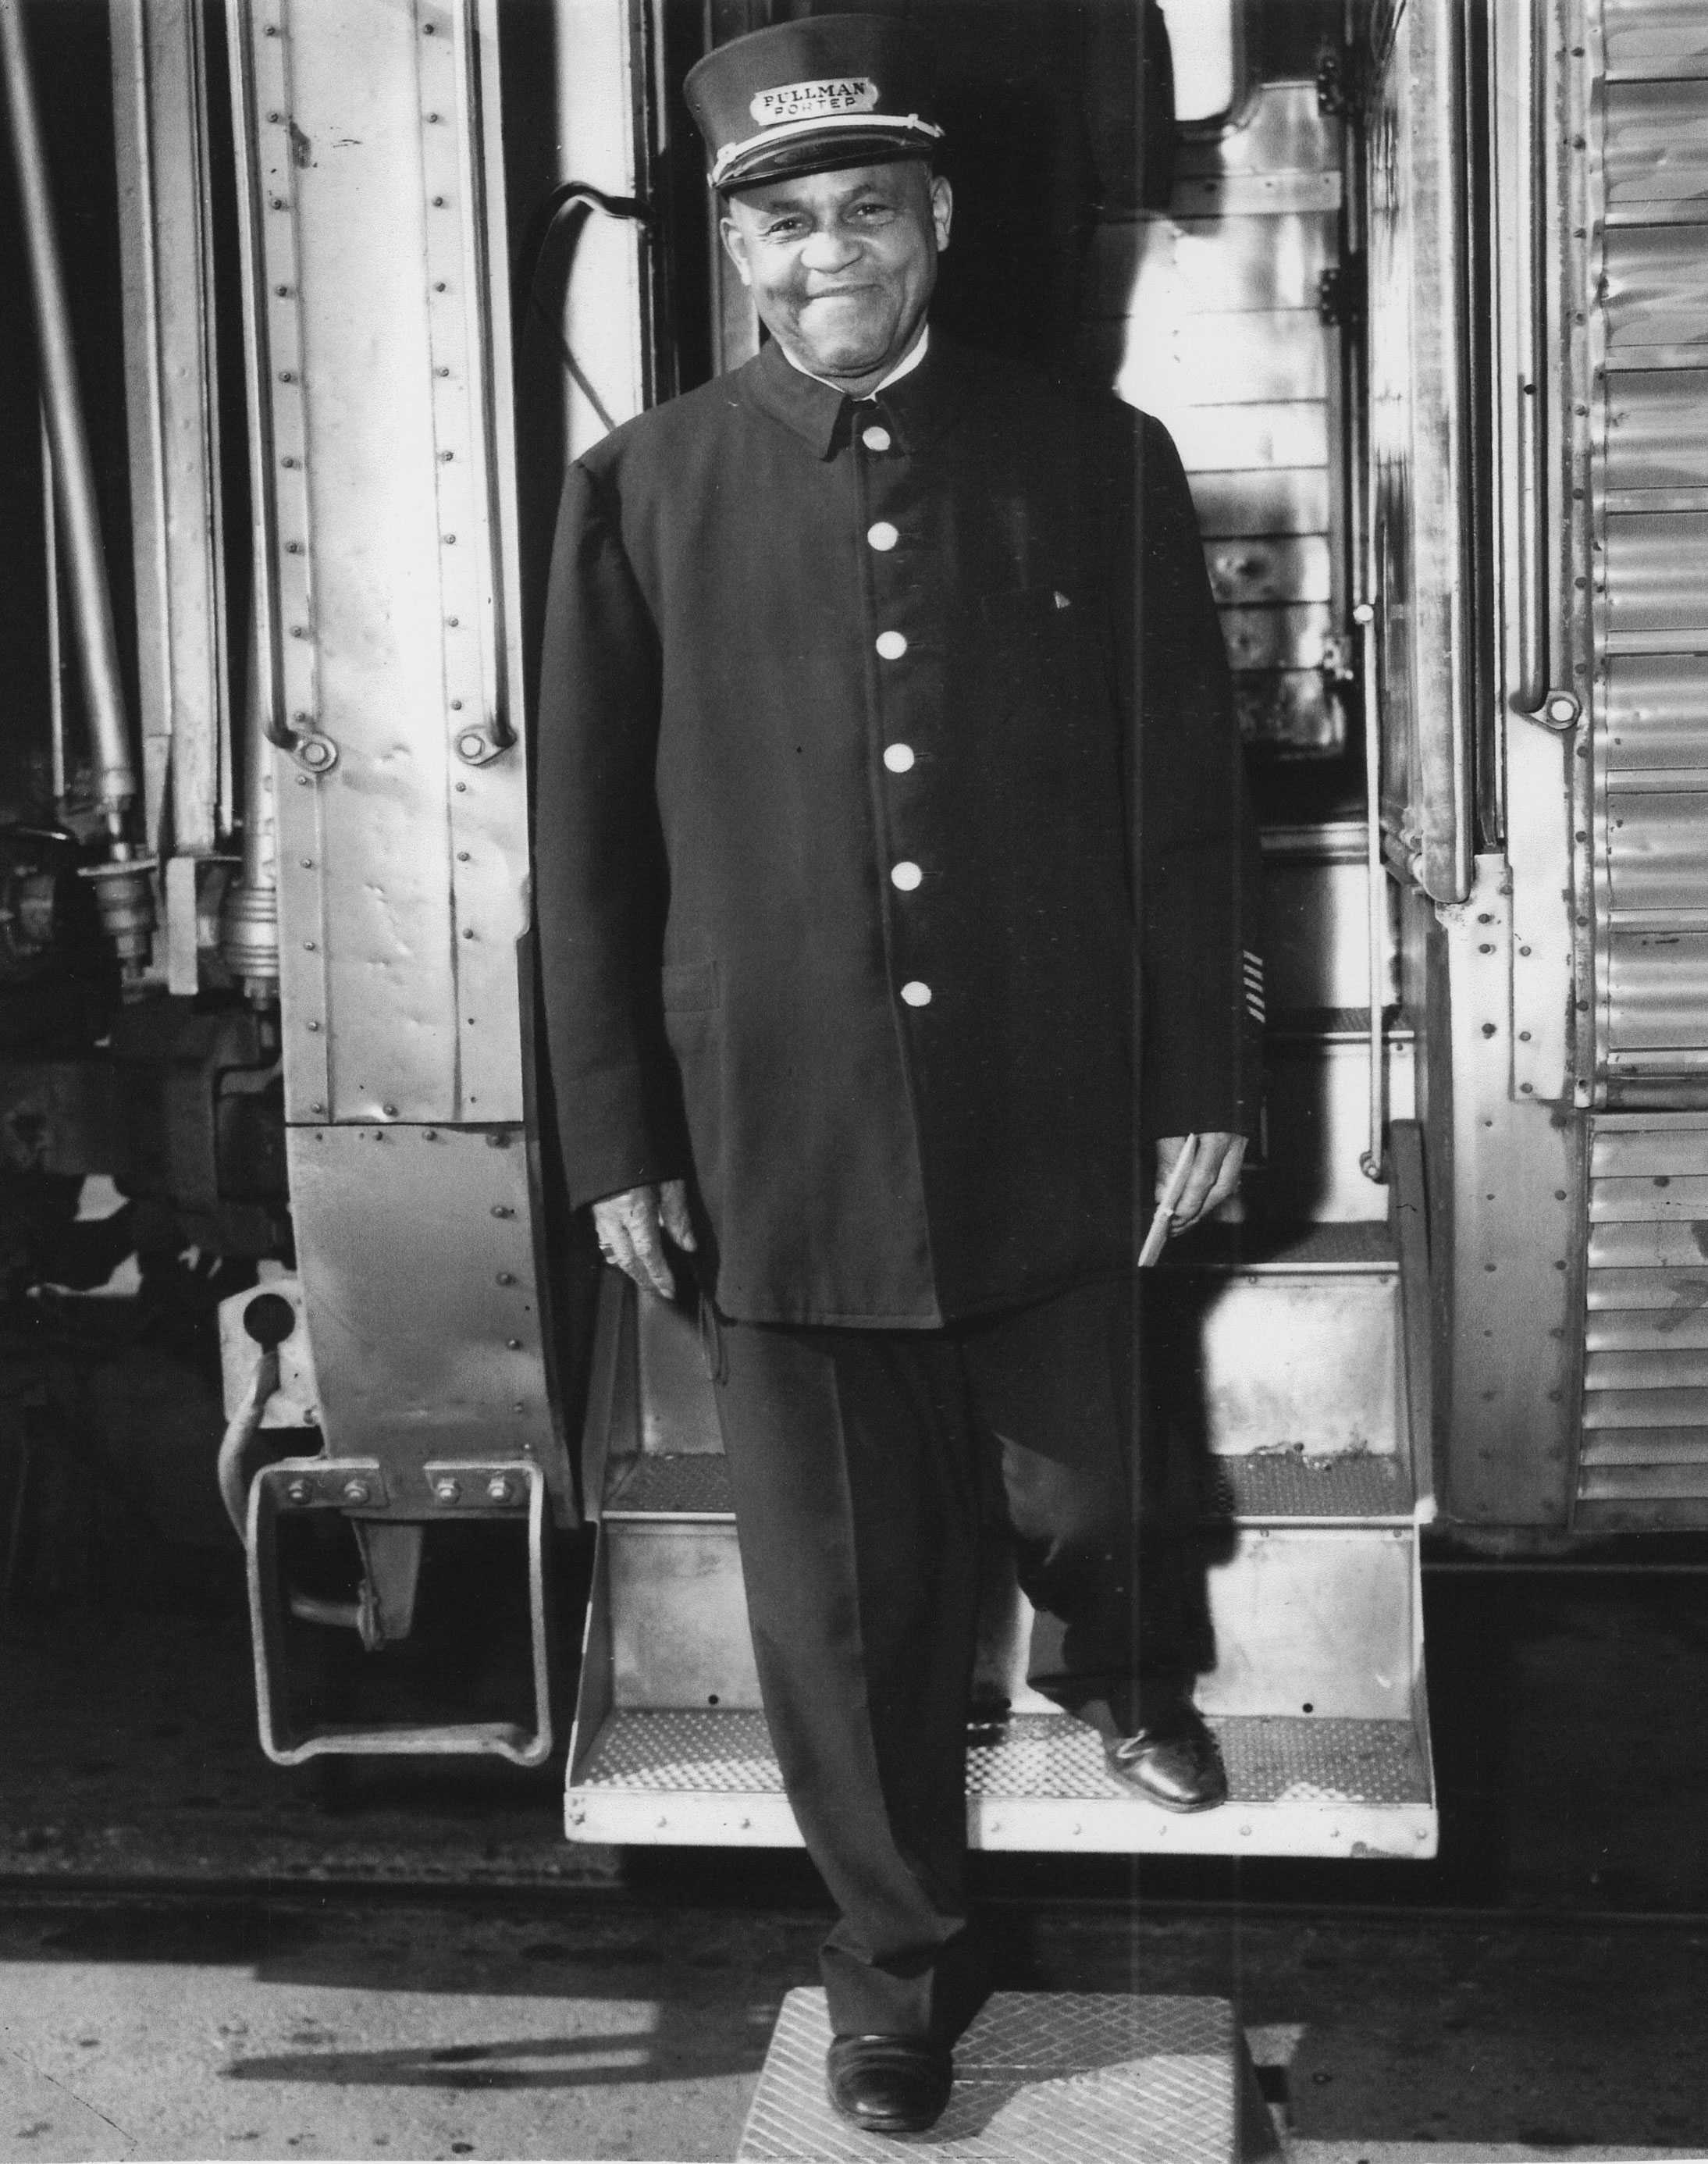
x=897, y=757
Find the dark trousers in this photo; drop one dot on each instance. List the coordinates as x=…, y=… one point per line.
x=869, y=1468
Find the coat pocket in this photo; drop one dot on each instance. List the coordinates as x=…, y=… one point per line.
x=689, y=987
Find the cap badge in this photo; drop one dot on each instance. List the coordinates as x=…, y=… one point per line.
x=813, y=101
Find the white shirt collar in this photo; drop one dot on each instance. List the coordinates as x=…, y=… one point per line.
x=906, y=367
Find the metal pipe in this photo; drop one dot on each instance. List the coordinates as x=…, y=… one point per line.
x=55, y=660
x=1516, y=80
x=92, y=602
x=249, y=929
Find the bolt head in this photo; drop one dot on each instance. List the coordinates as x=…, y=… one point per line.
x=447, y=1491
x=301, y=1492
x=355, y=1491
x=498, y=1488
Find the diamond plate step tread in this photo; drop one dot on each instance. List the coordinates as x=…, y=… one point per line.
x=679, y=1484
x=1087, y=2079
x=1287, y=1484
x=1265, y=1484
x=1270, y=1760
x=1261, y=1250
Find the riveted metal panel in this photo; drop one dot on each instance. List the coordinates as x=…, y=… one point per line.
x=1506, y=1240
x=1272, y=356
x=421, y=1299
x=383, y=353
x=1655, y=38
x=1246, y=439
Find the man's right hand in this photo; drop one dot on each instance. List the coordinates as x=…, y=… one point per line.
x=630, y=1228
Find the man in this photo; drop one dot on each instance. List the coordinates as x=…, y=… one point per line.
x=883, y=693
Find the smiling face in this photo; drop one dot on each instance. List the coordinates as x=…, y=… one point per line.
x=841, y=264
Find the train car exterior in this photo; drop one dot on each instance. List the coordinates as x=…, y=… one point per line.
x=1417, y=285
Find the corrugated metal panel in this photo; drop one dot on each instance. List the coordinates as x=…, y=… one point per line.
x=1655, y=38
x=1657, y=985
x=1645, y=1426
x=1656, y=286
x=1658, y=568
x=1656, y=711
x=1657, y=142
x=1657, y=428
x=1657, y=858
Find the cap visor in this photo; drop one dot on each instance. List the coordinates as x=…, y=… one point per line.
x=825, y=154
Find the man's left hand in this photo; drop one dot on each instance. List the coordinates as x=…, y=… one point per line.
x=1214, y=1176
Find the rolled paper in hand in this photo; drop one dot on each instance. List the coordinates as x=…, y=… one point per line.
x=1162, y=1224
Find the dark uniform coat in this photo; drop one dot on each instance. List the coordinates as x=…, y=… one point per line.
x=848, y=717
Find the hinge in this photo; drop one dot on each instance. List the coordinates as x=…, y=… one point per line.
x=1340, y=293
x=1337, y=81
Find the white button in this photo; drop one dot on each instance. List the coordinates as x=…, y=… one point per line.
x=891, y=645
x=883, y=535
x=916, y=994
x=907, y=876
x=876, y=439
x=898, y=758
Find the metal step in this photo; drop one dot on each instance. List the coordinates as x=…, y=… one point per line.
x=1298, y=1786
x=1278, y=1486
x=1087, y=2079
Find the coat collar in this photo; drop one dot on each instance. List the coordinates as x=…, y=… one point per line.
x=924, y=403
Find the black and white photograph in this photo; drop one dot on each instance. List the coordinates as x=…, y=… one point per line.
x=853, y=1081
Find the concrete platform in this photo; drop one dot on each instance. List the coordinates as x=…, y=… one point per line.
x=1085, y=2077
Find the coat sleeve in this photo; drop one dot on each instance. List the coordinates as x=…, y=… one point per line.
x=599, y=862
x=1201, y=1011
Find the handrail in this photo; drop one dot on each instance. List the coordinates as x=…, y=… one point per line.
x=1523, y=307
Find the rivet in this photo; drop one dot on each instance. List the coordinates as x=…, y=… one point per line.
x=308, y=945
x=451, y=620
x=299, y=631
x=390, y=1110
x=519, y=1406
x=304, y=781
x=450, y=540
x=441, y=371
x=430, y=1134
x=498, y=1488
x=1524, y=1036
x=456, y=705
x=446, y=1491
x=301, y=1492
x=502, y=1210
x=1487, y=1029
x=439, y=202
x=293, y=547
x=307, y=863
x=288, y=375
x=513, y=1343
x=462, y=856
x=275, y=117
x=1524, y=950
x=506, y=1278
x=282, y=291
x=1527, y=1089
x=432, y=118
x=290, y=465
x=462, y=788
x=319, y=1109
x=355, y=1491
x=313, y=1027
x=468, y=932
x=1486, y=946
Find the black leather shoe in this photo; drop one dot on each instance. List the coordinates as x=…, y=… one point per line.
x=1172, y=1759
x=889, y=2084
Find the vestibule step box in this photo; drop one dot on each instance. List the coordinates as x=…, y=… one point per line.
x=1317, y=1695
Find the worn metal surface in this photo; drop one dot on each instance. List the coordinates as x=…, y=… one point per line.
x=1086, y=2079
x=440, y=1355
x=1298, y=1786
x=164, y=191
x=1507, y=1235
x=1415, y=183
x=1645, y=1440
x=1303, y=1363
x=382, y=338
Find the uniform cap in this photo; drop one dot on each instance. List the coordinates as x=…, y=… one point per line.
x=811, y=96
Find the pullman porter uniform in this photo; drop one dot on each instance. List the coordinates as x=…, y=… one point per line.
x=848, y=710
